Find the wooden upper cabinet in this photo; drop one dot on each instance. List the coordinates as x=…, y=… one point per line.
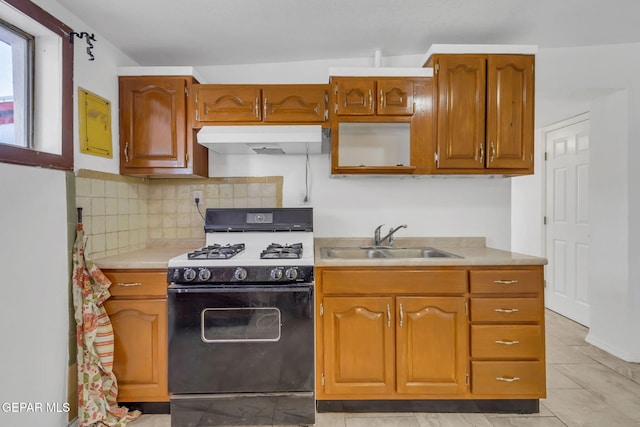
x=471, y=138
x=510, y=111
x=354, y=96
x=253, y=104
x=395, y=97
x=461, y=86
x=227, y=103
x=295, y=104
x=369, y=96
x=155, y=136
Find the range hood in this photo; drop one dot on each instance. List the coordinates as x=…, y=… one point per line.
x=266, y=139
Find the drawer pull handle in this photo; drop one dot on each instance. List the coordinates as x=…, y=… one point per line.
x=505, y=282
x=401, y=315
x=506, y=310
x=128, y=285
x=507, y=342
x=508, y=379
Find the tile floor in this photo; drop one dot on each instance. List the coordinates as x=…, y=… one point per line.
x=585, y=387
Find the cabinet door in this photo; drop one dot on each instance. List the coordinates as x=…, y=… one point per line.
x=432, y=345
x=510, y=111
x=461, y=88
x=395, y=97
x=354, y=96
x=140, y=356
x=153, y=122
x=227, y=103
x=358, y=345
x=295, y=103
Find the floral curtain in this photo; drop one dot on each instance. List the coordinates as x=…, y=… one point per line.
x=97, y=385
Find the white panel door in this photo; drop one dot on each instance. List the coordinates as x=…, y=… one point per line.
x=567, y=218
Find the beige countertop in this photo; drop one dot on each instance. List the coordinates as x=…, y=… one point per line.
x=472, y=250
x=155, y=255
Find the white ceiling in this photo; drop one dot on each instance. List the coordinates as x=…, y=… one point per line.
x=219, y=32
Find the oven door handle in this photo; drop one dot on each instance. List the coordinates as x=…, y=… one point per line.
x=239, y=289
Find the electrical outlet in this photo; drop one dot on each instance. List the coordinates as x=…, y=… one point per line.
x=197, y=195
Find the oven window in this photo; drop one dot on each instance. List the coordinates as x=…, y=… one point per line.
x=249, y=324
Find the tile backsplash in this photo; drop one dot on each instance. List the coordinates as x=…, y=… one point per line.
x=121, y=213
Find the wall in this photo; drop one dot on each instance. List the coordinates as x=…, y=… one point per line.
x=355, y=206
x=604, y=81
x=34, y=311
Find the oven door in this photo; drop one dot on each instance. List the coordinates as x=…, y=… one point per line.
x=249, y=339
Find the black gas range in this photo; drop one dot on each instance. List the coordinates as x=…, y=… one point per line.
x=241, y=334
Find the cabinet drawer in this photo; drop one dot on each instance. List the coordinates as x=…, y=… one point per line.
x=126, y=283
x=506, y=309
x=508, y=378
x=506, y=341
x=510, y=281
x=400, y=281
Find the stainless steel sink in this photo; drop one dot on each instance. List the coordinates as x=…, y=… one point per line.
x=383, y=252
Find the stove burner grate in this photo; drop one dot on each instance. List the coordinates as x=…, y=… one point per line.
x=217, y=251
x=278, y=251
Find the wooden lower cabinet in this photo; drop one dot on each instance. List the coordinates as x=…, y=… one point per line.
x=507, y=333
x=393, y=333
x=508, y=378
x=431, y=343
x=359, y=345
x=138, y=312
x=397, y=343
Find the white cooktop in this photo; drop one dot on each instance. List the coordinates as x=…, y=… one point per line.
x=255, y=243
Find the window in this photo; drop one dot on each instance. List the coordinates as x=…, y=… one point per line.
x=36, y=87
x=16, y=79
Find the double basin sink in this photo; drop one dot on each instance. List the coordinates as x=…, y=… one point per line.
x=367, y=252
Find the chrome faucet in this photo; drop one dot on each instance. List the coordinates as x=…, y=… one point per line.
x=377, y=240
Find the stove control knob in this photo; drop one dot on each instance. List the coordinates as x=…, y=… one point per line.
x=240, y=273
x=204, y=275
x=276, y=274
x=189, y=274
x=291, y=273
